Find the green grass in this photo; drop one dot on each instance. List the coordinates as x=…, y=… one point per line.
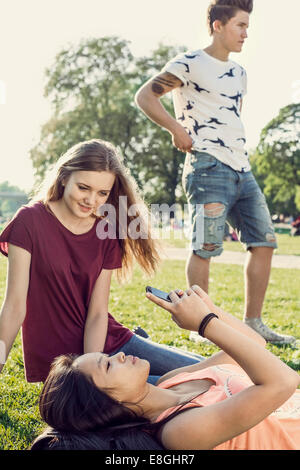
x=287, y=245
x=19, y=417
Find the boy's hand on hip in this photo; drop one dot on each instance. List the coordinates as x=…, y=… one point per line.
x=182, y=140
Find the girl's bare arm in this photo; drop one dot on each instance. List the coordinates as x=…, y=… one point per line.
x=220, y=357
x=273, y=383
x=13, y=310
x=95, y=330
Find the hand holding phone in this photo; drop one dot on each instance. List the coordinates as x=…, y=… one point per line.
x=161, y=294
x=187, y=308
x=158, y=293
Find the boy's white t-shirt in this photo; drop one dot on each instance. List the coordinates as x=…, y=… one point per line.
x=208, y=105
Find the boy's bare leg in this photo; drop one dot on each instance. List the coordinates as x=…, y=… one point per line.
x=197, y=272
x=257, y=274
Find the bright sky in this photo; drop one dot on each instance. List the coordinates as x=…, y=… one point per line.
x=32, y=32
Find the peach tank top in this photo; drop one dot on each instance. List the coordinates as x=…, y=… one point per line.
x=280, y=431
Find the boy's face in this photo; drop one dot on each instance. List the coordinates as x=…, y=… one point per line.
x=234, y=33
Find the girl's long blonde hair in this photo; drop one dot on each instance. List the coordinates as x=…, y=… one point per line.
x=98, y=155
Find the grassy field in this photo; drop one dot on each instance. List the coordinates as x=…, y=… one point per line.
x=19, y=417
x=287, y=245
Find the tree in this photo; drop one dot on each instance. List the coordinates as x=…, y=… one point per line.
x=11, y=198
x=92, y=88
x=88, y=88
x=162, y=162
x=276, y=162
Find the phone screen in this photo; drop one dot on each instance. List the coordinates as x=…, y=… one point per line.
x=159, y=293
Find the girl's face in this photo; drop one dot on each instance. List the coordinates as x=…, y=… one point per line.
x=86, y=191
x=122, y=377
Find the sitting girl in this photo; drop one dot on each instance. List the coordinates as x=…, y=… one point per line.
x=62, y=251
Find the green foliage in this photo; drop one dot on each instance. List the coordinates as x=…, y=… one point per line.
x=9, y=205
x=92, y=88
x=276, y=162
x=162, y=163
x=88, y=87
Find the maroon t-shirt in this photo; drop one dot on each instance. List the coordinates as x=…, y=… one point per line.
x=64, y=269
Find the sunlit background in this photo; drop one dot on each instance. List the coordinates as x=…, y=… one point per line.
x=32, y=32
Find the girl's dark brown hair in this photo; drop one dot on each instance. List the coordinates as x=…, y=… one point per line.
x=99, y=155
x=224, y=10
x=80, y=414
x=82, y=417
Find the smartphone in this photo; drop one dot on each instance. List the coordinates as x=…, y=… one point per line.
x=158, y=293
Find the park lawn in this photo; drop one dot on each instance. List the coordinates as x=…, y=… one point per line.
x=19, y=416
x=287, y=245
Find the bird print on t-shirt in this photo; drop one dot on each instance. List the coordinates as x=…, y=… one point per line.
x=233, y=109
x=236, y=97
x=216, y=121
x=198, y=88
x=219, y=142
x=196, y=126
x=190, y=56
x=228, y=74
x=187, y=67
x=189, y=105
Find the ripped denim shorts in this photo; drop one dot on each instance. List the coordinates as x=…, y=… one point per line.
x=224, y=195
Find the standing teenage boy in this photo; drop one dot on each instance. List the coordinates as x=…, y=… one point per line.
x=208, y=90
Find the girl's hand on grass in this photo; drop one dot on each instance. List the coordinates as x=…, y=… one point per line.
x=187, y=308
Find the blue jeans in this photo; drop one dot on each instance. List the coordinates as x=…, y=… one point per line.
x=236, y=198
x=162, y=358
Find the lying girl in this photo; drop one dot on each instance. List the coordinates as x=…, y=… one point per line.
x=241, y=398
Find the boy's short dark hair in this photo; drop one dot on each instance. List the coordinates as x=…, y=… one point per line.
x=224, y=10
